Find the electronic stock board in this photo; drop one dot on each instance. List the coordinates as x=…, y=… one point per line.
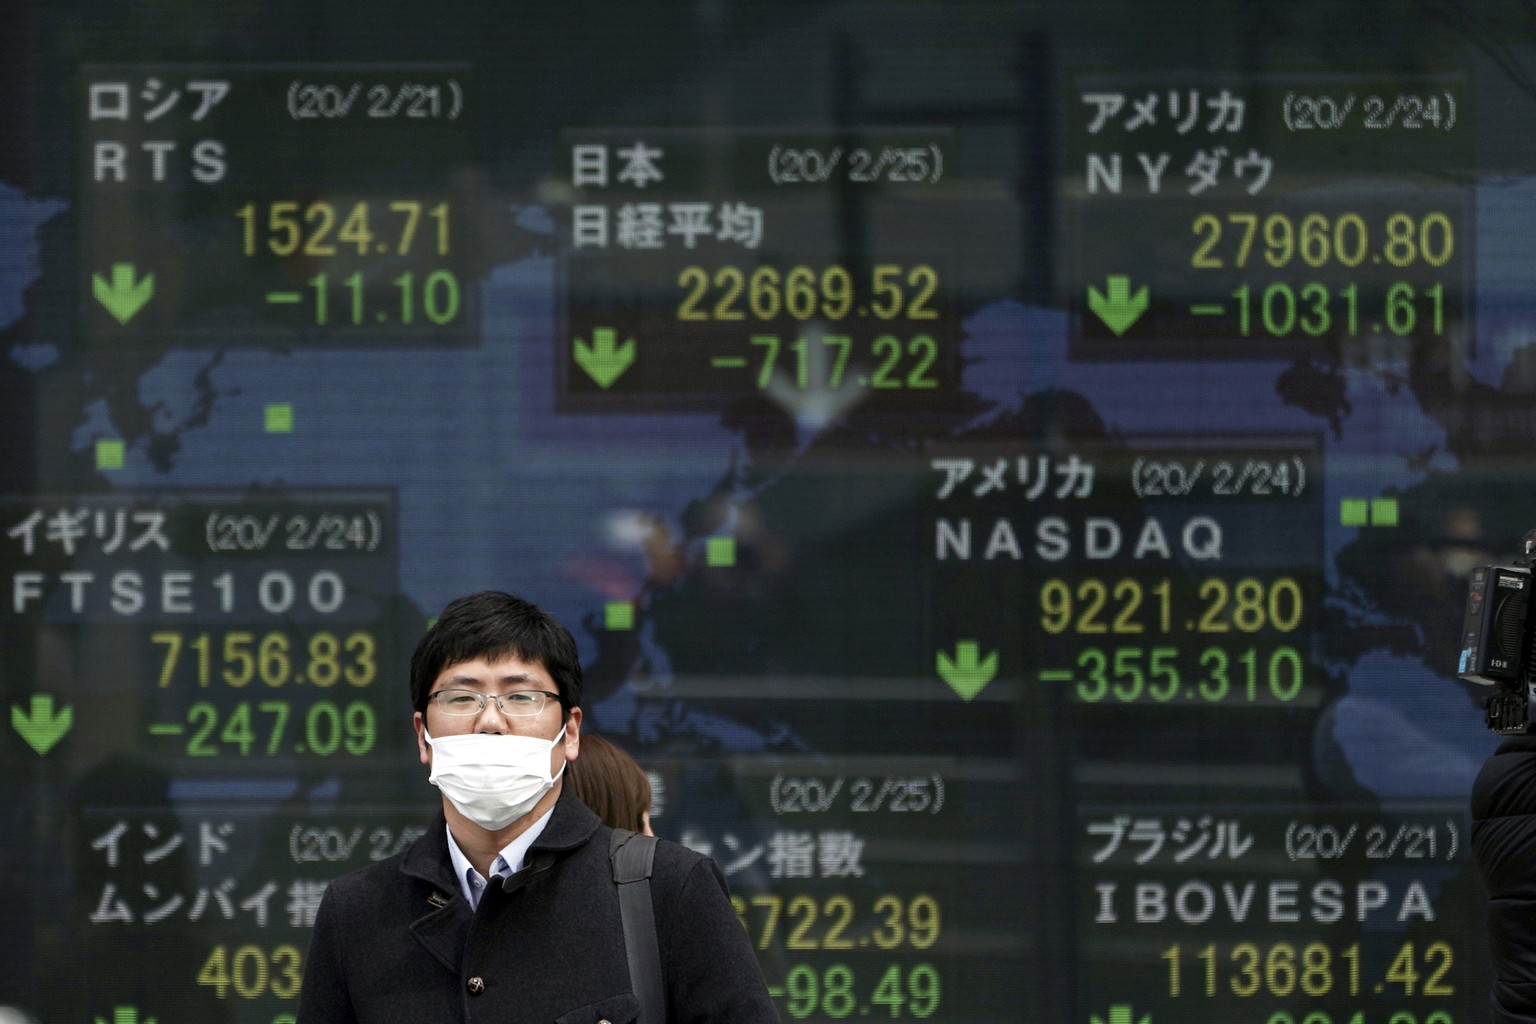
x=1011, y=470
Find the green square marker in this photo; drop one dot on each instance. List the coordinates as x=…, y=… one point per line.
x=1383, y=511
x=279, y=418
x=720, y=552
x=618, y=615
x=109, y=454
x=1354, y=512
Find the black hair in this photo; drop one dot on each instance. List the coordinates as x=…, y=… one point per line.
x=495, y=625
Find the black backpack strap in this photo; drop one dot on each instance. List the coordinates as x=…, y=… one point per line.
x=632, y=854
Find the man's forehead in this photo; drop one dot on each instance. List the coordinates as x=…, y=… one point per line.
x=509, y=669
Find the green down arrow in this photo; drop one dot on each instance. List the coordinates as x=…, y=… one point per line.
x=1116, y=306
x=42, y=729
x=126, y=1015
x=1120, y=1014
x=123, y=298
x=967, y=673
x=603, y=360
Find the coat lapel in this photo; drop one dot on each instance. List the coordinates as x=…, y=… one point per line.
x=445, y=922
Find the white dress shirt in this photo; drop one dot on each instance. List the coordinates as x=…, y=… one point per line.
x=508, y=862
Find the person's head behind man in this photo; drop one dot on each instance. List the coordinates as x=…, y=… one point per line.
x=612, y=784
x=495, y=664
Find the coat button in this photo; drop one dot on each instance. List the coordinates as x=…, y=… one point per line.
x=476, y=985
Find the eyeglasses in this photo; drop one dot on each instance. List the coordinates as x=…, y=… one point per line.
x=517, y=704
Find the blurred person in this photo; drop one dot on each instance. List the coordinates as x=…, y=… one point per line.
x=506, y=910
x=610, y=782
x=1504, y=844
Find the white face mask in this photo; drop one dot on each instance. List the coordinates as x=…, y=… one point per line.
x=492, y=780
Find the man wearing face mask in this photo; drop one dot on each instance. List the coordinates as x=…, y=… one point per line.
x=506, y=910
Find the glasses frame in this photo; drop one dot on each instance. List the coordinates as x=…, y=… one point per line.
x=489, y=698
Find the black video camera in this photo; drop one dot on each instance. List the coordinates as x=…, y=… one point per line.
x=1496, y=640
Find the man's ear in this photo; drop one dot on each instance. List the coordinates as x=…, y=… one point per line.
x=419, y=723
x=573, y=735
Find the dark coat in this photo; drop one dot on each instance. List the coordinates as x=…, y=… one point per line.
x=1504, y=841
x=396, y=943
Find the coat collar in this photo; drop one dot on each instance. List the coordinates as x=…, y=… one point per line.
x=443, y=926
x=570, y=826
